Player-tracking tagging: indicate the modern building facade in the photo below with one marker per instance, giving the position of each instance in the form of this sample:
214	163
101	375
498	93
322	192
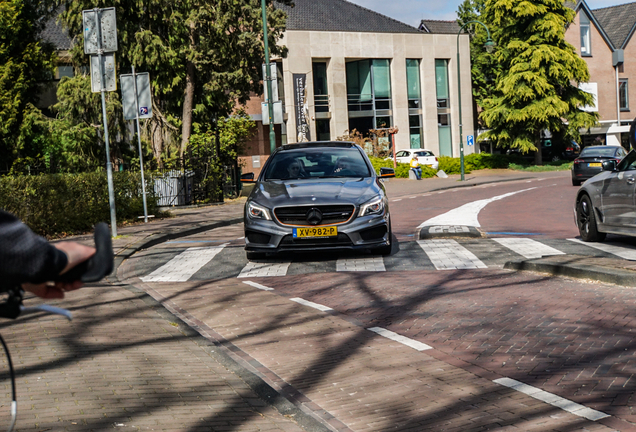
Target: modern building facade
602	38
351	68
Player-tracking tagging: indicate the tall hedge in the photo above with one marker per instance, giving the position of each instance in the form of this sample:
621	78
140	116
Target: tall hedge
60	204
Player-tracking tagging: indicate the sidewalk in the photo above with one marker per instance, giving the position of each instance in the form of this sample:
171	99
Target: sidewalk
128	362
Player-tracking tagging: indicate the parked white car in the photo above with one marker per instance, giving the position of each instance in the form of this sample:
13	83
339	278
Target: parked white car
424	157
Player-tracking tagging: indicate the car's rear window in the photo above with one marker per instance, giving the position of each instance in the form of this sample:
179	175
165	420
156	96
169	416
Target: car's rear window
317	162
598	152
423	153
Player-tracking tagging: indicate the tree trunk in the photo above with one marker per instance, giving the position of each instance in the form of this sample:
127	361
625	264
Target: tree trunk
538	157
188	101
156	132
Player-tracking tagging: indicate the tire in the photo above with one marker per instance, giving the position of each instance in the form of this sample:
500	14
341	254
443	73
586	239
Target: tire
586	221
576	182
251	256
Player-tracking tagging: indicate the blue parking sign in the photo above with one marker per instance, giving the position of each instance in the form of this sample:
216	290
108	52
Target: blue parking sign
470	140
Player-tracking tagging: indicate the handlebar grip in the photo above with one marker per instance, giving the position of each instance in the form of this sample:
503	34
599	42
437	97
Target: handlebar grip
99	265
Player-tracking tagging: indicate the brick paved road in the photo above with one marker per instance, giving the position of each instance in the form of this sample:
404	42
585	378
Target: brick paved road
571	338
122	363
337	368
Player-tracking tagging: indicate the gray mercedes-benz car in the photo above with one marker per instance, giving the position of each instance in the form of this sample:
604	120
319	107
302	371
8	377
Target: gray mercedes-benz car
606	203
317	195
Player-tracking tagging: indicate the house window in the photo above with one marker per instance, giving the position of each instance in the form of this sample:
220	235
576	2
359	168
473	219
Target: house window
64	71
443	105
415	102
321	93
586	40
369	95
623	94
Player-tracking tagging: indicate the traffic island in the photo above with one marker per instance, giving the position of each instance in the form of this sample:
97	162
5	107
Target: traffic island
449	231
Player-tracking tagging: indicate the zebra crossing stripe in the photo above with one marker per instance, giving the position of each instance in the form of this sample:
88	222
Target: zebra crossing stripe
185	265
552	399
374	264
254	269
620	251
449	255
527	247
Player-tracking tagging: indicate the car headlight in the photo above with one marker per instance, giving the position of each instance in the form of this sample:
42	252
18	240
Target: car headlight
254	211
375	206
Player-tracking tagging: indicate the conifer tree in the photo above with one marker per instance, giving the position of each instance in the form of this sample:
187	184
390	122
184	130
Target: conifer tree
537	87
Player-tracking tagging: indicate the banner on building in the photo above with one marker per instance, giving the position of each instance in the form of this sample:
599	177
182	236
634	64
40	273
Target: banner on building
302	107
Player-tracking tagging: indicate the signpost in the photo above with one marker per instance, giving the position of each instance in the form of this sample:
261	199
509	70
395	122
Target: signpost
137	103
100	37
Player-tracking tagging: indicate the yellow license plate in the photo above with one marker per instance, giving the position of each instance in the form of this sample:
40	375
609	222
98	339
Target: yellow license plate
595	164
328	231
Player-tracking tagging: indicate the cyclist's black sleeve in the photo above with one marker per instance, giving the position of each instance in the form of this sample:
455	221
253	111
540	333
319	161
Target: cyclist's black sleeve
25	256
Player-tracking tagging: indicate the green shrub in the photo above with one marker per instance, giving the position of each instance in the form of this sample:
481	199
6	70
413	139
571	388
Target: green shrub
61	204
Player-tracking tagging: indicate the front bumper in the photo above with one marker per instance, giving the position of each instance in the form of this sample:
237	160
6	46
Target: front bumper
366	232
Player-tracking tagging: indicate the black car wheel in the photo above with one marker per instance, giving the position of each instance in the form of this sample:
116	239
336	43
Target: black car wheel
576	182
386	249
586	221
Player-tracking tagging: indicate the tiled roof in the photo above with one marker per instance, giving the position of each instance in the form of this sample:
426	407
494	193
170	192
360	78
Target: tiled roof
439	27
340	15
617	22
55	34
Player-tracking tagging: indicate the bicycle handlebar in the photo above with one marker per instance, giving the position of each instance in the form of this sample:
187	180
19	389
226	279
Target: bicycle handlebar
94	269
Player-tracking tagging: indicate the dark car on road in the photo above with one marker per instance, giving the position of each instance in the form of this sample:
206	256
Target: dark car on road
316	196
590	161
606	203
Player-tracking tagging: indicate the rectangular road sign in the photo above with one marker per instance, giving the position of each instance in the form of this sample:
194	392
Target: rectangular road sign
278	112
108	30
143	95
470	140
274	78
109	70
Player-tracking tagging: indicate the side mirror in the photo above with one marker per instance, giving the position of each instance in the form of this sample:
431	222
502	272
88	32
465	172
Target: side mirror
609	165
247	178
387	172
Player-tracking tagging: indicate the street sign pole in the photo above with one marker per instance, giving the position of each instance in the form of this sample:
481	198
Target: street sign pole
268	78
141	158
109	166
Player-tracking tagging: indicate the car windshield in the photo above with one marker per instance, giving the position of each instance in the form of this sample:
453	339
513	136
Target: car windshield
598	152
317	162
423	153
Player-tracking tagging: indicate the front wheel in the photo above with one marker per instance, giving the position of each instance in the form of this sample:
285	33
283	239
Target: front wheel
586	221
576	182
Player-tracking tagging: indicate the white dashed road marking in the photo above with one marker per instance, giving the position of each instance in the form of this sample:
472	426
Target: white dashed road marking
621	251
527	247
552	399
254	269
311	304
373	264
185	265
448	254
259	286
399	338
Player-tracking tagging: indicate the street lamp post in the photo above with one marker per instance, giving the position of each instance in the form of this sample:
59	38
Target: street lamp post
489	45
268	78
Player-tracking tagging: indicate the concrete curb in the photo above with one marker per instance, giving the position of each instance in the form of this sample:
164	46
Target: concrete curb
449	232
580	271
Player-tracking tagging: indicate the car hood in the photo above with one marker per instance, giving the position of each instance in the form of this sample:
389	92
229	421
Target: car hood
281	193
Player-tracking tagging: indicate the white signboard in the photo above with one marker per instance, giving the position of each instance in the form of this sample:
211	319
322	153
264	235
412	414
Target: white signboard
591	88
274	78
109	70
108	30
144	96
278	112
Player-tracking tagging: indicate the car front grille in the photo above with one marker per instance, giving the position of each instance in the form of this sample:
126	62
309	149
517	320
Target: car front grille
331	214
289	242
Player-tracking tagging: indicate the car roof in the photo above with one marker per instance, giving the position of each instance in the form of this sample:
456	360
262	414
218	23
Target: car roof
318	144
604	146
417	149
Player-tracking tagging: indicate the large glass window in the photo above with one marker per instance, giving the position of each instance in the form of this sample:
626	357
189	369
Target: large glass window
443	108
586	39
323	130
415	102
321	92
369	94
623	94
